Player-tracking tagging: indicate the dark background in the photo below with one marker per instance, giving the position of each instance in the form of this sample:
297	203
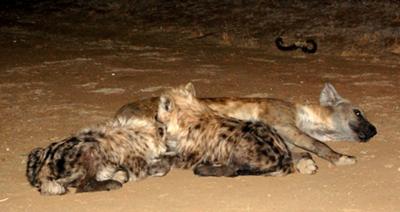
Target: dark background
359	26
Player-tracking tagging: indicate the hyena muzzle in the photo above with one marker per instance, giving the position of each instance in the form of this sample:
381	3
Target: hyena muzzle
216	145
100	158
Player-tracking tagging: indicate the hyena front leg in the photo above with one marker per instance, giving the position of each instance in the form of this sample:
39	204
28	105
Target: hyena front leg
303	141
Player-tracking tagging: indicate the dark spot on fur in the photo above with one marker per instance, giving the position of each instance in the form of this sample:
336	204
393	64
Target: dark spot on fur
60	165
229	126
246	128
89	133
272	158
275	150
197	127
89	139
223	136
265	152
101	135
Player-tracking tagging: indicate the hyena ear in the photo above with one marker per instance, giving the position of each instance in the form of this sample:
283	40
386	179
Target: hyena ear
329	96
190	89
166	103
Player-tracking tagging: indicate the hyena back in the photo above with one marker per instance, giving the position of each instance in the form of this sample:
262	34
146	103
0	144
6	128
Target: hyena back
99	158
302	126
216	145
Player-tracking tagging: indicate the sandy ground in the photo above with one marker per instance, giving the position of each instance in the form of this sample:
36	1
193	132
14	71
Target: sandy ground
52	86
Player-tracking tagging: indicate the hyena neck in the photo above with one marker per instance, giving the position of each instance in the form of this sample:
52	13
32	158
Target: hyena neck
316	121
191	126
192	112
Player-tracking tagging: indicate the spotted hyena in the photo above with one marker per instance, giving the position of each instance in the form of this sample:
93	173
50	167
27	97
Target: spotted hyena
216	145
100	158
302	126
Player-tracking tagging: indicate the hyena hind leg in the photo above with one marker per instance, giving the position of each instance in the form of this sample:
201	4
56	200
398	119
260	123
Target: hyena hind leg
60	186
304	163
92	185
213	170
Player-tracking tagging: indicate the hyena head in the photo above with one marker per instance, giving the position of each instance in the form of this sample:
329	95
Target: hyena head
34	164
173	104
349	121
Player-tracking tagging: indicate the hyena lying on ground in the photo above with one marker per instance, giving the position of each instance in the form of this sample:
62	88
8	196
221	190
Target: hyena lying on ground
302	126
100	158
216	145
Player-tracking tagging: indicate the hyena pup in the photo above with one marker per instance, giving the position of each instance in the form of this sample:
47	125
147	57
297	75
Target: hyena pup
302	126
216	145
100	158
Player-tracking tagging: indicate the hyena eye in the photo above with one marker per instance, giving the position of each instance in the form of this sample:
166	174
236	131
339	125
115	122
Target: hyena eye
357	112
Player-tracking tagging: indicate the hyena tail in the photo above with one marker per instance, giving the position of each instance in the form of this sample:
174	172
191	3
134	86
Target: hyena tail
283	168
34	164
232	170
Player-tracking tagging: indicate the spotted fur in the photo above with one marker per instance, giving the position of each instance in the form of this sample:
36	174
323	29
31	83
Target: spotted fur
216	145
100	158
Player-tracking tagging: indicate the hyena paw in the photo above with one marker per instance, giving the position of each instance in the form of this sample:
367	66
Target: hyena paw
345	160
113	185
52	188
306	166
121	176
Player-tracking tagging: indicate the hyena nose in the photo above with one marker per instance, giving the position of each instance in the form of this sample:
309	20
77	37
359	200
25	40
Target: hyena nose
371	131
368	133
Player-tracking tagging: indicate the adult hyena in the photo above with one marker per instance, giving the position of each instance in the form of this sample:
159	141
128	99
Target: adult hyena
303	126
100	158
216	145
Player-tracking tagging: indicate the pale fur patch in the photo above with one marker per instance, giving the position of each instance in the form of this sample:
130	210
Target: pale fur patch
248	112
133	123
306	166
105	173
121	176
315	122
346	160
52	188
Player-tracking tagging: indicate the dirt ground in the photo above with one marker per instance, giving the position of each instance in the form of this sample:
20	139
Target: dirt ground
55	82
